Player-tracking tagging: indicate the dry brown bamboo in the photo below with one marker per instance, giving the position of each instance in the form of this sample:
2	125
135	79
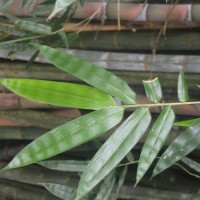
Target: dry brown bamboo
132	26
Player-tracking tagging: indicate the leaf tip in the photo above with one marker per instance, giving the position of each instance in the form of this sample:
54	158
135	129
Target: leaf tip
4	169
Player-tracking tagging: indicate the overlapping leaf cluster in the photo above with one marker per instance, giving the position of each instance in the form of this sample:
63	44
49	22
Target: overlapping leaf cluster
16	33
107	114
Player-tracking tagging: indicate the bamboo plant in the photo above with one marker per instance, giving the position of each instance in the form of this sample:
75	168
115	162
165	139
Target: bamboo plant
106	115
99	96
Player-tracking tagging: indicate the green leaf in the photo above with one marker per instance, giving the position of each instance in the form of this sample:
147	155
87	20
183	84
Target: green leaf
114	150
64	39
13	31
15	47
59	93
90	73
191	163
5	3
61	191
155	141
153	90
183	95
180	147
59	6
33	27
121	181
186	122
68	136
65	165
106	186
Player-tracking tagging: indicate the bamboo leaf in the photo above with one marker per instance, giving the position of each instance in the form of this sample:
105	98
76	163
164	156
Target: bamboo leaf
65	165
106	186
59	93
67	136
15	47
59	6
64	38
191	163
114	150
153	90
183	95
121	181
13	31
155	140
89	73
32	59
186	122
5	3
61	191
33	27
180	147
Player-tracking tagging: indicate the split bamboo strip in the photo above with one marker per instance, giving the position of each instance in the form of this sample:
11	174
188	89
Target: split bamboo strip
127	41
36	174
12	101
119	61
41	71
129	10
132	26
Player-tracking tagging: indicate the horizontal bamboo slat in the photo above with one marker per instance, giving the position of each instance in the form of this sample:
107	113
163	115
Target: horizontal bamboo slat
120	61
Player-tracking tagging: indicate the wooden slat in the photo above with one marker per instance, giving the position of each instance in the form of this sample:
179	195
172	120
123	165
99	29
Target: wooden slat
121	61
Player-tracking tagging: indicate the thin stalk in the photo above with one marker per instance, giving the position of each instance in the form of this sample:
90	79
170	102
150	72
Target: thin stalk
161	104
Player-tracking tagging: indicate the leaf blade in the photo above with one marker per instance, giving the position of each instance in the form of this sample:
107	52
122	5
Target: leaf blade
155	141
183	95
114	150
106	186
60	93
153	90
68	136
61	191
186	122
191	163
186	142
89	73
33	27
65	165
59	6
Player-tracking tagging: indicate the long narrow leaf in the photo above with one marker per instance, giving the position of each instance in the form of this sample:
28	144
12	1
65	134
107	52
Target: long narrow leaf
181	146
59	6
153	90
61	191
191	163
5	3
114	150
121	181
59	93
106	186
90	73
65	165
67	136
186	122
155	141
33	27
182	87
